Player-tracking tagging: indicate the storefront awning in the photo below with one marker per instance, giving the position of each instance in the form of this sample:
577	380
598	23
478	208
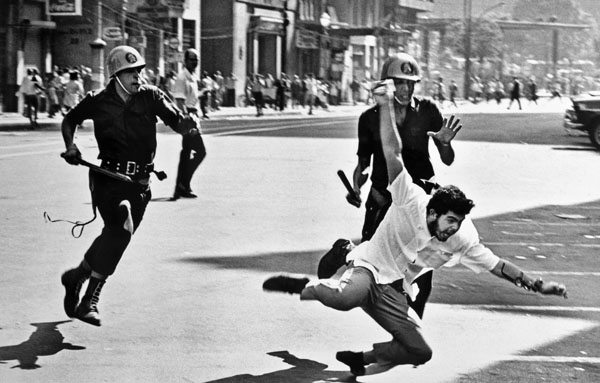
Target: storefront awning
367	31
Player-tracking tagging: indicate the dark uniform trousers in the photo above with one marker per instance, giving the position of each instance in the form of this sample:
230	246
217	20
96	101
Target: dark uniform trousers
377	206
191	156
107	249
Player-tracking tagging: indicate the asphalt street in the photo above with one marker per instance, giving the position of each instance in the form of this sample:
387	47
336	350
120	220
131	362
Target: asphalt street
186	303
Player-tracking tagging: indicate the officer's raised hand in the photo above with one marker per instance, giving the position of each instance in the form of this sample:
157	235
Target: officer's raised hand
448	131
72	155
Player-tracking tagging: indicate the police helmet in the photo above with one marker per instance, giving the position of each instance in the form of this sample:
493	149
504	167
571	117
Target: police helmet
402	66
124	57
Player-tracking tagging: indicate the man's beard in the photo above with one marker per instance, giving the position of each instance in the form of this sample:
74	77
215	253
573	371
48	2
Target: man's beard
434	229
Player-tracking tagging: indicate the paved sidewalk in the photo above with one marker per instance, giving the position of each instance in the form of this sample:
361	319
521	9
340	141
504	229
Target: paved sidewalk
15	121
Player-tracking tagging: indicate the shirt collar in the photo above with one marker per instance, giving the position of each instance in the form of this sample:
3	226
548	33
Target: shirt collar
423	234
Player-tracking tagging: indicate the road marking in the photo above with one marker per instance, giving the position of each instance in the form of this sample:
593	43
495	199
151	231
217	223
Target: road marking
268	129
21	154
529	308
565	273
551	359
31	145
537	223
546	244
542	244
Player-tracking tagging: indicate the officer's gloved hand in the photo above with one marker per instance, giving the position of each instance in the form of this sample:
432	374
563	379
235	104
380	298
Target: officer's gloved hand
72	155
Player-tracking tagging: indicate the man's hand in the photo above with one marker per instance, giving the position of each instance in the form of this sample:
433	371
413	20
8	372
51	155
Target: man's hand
72	155
449	129
383	92
550	288
189	126
354	199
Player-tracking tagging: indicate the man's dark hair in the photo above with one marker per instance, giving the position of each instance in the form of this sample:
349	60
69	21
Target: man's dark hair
450	198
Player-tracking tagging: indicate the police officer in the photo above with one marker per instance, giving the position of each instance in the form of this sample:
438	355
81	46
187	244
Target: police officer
417	119
124	116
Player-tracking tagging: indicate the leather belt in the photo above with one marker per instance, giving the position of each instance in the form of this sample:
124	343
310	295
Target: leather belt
129	168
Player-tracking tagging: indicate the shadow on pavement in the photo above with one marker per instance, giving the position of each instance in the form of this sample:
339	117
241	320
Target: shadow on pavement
44	341
303	370
302	262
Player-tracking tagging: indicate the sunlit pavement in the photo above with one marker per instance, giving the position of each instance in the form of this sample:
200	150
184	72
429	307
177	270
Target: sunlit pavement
186	303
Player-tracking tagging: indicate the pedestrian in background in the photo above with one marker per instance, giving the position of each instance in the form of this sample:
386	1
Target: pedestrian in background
312	90
230	81
206	87
73	91
532	90
193	151
53	84
453	88
498	91
296	91
218	89
256	87
124	115
355	88
515	92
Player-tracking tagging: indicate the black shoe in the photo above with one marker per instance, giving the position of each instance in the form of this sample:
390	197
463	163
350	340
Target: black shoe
179	193
285	284
354	360
72	280
187	194
334	258
87	311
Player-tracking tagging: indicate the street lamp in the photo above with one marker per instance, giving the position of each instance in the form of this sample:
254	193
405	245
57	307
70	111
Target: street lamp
325	21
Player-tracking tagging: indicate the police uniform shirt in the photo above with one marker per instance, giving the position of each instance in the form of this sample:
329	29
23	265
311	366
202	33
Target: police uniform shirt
422	116
186	88
402	246
126	131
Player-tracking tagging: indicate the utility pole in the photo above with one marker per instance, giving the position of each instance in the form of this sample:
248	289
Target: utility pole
467	14
286	22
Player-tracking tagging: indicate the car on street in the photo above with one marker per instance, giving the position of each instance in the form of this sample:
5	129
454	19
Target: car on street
584	115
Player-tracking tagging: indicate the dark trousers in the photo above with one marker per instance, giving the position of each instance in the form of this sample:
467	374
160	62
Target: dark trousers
107	249
377	205
204	104
192	153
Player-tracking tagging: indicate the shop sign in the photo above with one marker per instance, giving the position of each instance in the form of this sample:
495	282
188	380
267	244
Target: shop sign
140	41
307	40
63	7
112	34
265	3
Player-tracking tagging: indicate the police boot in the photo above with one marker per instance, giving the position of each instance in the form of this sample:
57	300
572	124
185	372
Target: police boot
87	310
73	280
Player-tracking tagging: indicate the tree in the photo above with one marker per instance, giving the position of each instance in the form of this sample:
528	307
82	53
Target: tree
573	43
486	38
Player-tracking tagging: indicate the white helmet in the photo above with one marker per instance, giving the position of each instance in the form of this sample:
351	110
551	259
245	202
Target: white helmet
124	57
402	66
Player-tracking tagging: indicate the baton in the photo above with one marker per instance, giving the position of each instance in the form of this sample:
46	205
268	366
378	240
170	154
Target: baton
106	172
355	199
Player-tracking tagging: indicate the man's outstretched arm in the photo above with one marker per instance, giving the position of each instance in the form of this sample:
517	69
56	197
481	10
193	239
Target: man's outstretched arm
511	272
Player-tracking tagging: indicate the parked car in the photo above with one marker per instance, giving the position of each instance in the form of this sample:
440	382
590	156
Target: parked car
584	116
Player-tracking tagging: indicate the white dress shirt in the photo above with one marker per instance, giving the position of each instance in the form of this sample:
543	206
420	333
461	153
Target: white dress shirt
402	246
186	88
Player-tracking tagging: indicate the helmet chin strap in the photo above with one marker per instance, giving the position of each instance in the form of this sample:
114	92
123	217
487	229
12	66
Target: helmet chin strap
121	84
